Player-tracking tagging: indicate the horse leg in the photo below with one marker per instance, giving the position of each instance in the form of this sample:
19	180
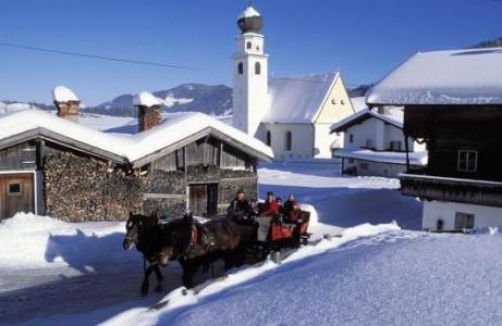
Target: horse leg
188	274
160	278
146	285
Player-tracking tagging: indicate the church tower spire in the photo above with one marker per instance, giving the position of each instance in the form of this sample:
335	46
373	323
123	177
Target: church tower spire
250	92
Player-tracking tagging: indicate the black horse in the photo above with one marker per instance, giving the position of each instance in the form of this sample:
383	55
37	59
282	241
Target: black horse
147	235
191	243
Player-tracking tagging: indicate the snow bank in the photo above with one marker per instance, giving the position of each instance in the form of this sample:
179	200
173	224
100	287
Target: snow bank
40	240
384	276
63	94
146	99
175	308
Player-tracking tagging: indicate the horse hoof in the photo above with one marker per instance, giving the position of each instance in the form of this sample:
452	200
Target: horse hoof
144	292
158	289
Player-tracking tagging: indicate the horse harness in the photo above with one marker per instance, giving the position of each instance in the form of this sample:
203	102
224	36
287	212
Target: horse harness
202	236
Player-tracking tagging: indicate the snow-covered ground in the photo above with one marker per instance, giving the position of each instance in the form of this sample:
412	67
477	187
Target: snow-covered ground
57	274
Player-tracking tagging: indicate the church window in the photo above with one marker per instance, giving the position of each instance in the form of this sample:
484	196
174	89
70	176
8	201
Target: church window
249	45
269	138
289	141
240	68
257	68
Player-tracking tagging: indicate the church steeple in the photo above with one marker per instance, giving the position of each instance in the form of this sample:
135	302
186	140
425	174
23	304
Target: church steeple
250	93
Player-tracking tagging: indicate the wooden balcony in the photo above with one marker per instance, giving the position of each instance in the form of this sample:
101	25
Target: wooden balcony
428	187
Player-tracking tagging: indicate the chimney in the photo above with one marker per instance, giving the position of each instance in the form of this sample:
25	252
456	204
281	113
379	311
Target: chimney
66	102
383	109
149	111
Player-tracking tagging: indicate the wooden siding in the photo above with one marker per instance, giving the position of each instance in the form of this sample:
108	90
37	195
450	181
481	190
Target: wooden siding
21	157
448	129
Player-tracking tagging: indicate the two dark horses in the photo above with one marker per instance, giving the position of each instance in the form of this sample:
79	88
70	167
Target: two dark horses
191	243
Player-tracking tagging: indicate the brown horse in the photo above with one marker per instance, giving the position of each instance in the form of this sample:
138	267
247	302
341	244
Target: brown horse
191	243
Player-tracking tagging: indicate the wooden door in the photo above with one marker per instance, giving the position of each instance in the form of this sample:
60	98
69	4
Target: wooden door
16	194
204	199
198	199
212	199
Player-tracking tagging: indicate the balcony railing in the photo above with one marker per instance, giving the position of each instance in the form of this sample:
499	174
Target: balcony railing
427	187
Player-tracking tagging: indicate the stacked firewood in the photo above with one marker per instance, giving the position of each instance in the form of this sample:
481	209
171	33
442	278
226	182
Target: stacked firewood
78	188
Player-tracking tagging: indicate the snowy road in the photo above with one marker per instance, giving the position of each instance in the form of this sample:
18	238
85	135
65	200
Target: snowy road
38	292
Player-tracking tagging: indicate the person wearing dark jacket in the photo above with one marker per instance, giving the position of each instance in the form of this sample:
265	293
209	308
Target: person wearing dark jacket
291	209
239	207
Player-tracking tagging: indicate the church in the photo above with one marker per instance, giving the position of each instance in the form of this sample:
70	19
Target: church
292	115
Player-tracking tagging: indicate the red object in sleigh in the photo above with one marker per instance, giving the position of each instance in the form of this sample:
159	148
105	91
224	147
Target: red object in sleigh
281	231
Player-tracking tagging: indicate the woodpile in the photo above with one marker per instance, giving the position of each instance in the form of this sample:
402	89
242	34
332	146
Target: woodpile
79	188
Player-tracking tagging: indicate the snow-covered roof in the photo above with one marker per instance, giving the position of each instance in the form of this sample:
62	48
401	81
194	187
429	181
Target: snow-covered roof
359	103
127	148
146	99
393	117
298	99
443	77
63	94
416	158
249	12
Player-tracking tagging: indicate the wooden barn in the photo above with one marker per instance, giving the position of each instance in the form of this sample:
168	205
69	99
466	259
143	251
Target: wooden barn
55	166
453	103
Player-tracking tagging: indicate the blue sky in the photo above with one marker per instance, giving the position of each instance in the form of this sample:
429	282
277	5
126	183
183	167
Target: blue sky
364	39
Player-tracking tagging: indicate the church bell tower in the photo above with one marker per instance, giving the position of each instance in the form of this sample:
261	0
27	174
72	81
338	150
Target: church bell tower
250	67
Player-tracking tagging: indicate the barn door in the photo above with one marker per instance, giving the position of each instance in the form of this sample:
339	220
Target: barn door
203	199
16	194
198	199
212	199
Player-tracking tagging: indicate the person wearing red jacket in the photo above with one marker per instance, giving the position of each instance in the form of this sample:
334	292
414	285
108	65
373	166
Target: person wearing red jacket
271	206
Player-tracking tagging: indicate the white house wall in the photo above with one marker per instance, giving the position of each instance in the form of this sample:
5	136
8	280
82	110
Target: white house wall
483	215
326	142
367	168
380	134
302	142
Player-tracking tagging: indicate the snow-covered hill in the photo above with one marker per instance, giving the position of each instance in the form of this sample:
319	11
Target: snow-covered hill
214	100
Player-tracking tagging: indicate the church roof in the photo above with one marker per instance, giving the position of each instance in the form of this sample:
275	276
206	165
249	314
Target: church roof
298	99
442	78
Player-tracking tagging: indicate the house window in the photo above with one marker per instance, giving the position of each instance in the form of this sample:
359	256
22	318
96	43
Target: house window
289	141
364	166
15	189
342	102
467	161
249	45
464	221
269	138
333	101
395	145
351	138
240	68
257	68
369	143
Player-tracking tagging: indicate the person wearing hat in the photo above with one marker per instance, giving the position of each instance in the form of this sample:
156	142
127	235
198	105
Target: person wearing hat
271	206
239	207
291	209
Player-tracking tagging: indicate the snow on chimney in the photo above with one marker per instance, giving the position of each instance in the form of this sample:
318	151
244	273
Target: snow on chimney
149	108
66	102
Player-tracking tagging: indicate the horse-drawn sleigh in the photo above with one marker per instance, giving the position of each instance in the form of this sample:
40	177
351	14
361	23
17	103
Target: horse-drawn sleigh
236	240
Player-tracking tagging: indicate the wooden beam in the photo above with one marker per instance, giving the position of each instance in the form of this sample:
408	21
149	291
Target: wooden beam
164	196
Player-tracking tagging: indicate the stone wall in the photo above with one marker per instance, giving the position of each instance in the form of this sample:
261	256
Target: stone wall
161	182
202	173
166	207
78	188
